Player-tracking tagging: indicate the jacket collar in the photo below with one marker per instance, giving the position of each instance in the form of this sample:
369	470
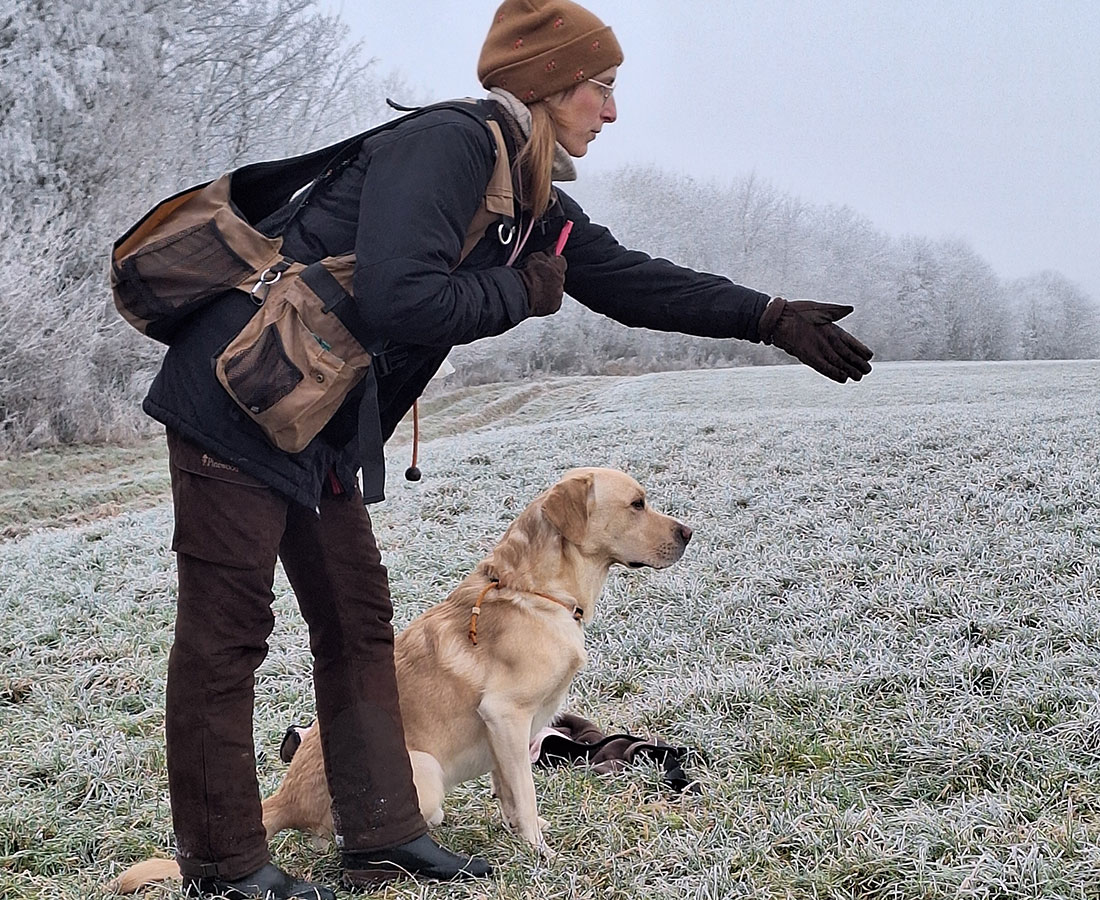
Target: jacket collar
520	116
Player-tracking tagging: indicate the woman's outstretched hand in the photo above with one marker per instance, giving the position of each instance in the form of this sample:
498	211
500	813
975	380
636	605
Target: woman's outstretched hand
806	329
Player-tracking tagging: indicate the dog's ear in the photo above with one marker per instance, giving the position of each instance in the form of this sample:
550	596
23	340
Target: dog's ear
566	506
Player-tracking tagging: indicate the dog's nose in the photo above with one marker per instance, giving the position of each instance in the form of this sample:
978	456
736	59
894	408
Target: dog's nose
685	532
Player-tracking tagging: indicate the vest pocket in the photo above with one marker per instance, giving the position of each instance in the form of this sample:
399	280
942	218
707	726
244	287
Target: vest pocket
262	374
284	374
179	273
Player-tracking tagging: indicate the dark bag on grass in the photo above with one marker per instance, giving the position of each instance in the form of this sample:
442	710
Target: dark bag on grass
574	740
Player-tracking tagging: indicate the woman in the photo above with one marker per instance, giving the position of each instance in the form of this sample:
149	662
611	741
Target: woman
403	206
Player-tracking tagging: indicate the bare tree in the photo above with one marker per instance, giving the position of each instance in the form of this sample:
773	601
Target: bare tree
1054	318
104	107
268	77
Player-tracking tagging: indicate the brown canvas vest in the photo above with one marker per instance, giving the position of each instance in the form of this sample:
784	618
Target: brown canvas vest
294	362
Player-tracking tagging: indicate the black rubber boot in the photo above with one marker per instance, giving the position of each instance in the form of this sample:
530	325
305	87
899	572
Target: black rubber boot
268	883
419	858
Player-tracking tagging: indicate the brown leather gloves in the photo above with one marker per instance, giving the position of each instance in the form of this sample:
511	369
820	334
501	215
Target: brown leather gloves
543	274
805	329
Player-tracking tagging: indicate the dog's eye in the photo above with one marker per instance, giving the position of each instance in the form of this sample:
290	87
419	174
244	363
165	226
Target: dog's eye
639	503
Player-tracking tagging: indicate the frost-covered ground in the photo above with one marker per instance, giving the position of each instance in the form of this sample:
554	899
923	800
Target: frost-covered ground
883	642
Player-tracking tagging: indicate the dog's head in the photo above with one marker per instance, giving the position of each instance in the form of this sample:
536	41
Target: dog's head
605	515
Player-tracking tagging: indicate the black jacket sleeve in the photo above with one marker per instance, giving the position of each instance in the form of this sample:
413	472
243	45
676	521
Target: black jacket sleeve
422	185
644	292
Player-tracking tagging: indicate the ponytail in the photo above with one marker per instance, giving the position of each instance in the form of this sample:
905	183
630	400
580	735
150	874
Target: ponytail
536	160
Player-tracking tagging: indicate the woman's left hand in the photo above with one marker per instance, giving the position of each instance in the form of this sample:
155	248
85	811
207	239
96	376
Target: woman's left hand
806	330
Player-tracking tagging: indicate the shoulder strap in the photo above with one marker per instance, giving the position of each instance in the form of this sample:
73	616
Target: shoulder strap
498	202
259	189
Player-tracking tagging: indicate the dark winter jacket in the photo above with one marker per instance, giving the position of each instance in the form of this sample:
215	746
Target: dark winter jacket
403	206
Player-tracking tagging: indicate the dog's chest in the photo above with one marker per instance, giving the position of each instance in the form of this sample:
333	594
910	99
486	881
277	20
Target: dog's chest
556	687
572	655
552	704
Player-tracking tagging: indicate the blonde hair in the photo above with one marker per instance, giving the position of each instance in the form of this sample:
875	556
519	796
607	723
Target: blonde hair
536	160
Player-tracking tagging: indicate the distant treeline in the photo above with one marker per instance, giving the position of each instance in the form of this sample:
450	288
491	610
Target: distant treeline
105	108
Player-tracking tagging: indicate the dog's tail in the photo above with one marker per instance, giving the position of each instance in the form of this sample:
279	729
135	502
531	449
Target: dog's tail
279	813
276	818
147	871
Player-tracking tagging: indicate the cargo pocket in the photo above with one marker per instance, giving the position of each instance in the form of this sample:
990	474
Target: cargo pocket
285	376
179	273
222	515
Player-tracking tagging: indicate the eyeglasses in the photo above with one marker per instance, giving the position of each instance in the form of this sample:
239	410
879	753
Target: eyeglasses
607	89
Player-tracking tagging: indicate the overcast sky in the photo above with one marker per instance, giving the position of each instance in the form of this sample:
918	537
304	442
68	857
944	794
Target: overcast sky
977	119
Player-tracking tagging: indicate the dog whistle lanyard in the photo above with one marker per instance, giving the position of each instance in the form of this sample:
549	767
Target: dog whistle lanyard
513	231
578	613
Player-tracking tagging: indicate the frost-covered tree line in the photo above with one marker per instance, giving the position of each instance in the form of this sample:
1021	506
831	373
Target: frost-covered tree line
107	106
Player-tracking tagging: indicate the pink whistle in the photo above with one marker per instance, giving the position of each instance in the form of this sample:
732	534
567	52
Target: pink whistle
563	237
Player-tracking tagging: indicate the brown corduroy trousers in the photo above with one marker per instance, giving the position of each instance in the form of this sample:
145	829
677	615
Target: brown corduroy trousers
229	529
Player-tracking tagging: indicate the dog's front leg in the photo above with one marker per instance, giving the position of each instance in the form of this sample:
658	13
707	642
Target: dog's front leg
509	731
494	792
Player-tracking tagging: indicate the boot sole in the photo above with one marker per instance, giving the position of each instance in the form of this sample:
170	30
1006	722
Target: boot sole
373	877
383	875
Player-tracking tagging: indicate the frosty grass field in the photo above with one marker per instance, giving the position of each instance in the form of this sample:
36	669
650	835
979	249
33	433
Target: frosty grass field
883	643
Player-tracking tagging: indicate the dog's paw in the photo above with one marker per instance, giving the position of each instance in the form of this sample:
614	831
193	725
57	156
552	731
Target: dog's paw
534	838
320	842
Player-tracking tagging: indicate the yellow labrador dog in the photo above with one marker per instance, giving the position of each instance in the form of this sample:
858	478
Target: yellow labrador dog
485	670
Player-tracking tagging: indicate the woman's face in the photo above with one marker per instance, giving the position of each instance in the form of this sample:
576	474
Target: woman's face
580	112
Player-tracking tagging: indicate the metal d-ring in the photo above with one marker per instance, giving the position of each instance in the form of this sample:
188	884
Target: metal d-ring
506	227
261	288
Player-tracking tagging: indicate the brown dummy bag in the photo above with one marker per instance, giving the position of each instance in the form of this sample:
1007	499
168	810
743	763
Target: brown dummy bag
295	361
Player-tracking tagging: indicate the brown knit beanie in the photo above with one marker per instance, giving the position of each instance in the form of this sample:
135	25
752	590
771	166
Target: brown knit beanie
539	47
